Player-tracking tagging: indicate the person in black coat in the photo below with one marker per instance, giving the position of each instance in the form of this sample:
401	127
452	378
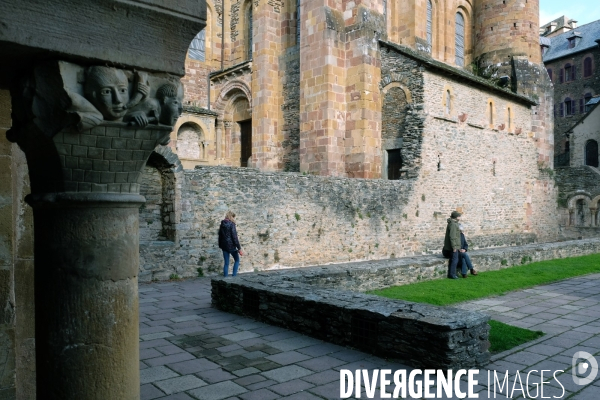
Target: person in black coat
465	260
229	243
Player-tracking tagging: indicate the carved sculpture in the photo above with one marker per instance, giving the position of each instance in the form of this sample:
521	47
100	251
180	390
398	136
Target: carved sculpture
462	117
102	123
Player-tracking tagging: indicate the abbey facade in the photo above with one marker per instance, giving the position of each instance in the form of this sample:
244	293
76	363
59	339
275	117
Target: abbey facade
440	105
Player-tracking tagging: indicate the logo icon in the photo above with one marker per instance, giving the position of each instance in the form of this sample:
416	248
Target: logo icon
587	364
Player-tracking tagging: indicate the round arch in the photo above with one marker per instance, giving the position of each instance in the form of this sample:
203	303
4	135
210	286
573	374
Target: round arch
581	196
187	118
398	85
230	90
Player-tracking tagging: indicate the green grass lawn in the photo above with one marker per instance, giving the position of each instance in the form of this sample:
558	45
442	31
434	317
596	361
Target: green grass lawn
504	337
450	291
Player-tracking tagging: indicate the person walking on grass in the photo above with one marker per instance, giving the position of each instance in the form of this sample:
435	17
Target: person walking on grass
465	260
229	243
452	244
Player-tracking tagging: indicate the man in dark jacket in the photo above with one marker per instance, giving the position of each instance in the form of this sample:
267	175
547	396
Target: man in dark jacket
452	244
465	260
229	243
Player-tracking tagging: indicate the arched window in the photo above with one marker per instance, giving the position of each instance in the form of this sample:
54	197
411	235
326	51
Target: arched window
249	33
197	47
509	119
460	40
491	114
429	24
448	102
550	73
587	67
591	153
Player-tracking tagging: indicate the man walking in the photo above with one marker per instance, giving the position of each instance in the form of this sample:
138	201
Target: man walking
452	243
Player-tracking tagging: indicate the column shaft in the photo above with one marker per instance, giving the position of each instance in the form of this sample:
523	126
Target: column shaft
86	303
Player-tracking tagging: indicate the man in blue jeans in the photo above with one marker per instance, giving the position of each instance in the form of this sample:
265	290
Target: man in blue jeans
465	260
452	244
229	243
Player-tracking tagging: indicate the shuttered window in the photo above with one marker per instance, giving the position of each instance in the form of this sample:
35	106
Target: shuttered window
587	67
197	47
569	106
460	40
429	23
561	75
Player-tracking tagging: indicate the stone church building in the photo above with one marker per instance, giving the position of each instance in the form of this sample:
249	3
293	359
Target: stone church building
438	105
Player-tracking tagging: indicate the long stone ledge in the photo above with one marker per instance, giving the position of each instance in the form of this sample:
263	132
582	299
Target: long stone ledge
363	276
418	334
324	302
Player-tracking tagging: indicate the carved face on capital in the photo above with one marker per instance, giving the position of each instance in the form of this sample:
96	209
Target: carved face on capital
107	89
171	105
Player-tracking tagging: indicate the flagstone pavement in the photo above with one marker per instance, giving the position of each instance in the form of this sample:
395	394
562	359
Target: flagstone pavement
190	351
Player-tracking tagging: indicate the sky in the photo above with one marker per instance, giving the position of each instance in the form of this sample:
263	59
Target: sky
582	11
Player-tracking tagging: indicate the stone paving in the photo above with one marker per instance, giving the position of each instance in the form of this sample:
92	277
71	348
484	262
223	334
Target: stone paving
189	350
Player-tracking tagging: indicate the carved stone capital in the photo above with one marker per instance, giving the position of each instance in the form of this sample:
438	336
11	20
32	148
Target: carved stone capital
91	130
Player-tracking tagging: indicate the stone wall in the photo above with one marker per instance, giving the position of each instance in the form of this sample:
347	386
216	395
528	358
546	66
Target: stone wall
420	335
290	76
323	302
573	181
195	83
293	220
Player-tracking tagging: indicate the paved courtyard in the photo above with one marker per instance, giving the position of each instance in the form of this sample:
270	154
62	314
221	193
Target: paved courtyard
189	350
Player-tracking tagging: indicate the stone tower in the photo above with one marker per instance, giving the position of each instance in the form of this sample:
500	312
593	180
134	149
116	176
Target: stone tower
507	44
506	28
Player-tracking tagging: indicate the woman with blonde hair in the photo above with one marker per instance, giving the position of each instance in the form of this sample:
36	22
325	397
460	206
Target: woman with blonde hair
229	243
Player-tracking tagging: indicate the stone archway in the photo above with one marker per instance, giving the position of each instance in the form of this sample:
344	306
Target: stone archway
580	210
191	142
396	98
234	124
160	214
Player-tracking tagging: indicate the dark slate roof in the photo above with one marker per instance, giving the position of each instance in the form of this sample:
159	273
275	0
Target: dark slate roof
559	46
593	100
429	62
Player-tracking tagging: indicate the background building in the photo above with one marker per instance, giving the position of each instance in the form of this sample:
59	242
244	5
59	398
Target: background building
572	60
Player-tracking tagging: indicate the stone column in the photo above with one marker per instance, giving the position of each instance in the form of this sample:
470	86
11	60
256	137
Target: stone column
86	134
267	118
227	138
593	213
571	217
363	95
322	89
219	140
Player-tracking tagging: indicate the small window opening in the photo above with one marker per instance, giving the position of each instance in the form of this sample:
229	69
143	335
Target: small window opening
394	164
